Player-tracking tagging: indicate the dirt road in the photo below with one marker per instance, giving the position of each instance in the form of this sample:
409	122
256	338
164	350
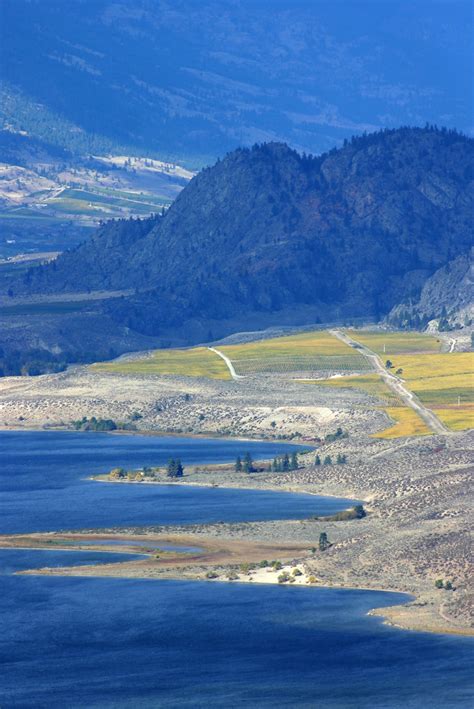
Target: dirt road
229	364
396	384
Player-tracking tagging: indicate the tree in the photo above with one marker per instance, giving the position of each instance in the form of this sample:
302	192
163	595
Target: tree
285	463
238	465
317	460
448	586
294	461
323	541
388	364
341	459
248	464
175	469
439	583
399	372
359	511
328	460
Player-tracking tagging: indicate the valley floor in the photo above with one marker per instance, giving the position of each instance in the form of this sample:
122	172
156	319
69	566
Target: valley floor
415	490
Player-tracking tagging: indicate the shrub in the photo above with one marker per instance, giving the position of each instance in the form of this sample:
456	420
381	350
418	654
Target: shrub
284	577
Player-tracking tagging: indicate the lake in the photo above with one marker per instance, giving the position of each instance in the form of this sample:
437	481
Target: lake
44	485
126	643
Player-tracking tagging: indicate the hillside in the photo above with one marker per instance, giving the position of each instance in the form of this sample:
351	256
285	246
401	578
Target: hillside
446	300
50	198
191	80
267	236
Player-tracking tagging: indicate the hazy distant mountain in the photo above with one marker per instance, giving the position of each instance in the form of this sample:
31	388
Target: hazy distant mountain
267	236
193	79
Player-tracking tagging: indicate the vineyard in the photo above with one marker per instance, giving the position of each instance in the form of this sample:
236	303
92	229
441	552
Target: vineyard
307	353
196	362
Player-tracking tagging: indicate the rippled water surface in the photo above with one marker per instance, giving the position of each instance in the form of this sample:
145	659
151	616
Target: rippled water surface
91	642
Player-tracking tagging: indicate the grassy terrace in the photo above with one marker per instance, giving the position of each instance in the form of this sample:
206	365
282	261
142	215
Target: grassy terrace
444	383
316	351
393	343
196	362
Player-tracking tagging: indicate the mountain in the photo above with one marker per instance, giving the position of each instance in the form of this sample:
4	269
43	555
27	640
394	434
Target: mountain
268	236
188	80
446	300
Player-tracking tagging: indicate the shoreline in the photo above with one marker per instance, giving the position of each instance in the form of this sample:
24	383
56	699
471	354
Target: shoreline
361	561
178	566
211	435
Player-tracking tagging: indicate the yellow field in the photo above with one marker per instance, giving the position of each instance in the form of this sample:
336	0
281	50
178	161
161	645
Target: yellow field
396	342
457	418
371	383
197	362
444	383
407	423
307	351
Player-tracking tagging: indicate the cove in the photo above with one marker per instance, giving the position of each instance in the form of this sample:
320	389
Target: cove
44	485
135	643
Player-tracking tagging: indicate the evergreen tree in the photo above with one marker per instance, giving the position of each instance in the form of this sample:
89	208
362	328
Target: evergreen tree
294	461
323	541
317	460
171	472
238	465
285	463
248	464
327	460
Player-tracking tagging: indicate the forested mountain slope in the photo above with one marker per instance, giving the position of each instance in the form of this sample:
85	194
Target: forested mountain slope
266	233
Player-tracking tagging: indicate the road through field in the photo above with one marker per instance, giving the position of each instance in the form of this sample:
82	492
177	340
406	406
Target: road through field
396	384
229	364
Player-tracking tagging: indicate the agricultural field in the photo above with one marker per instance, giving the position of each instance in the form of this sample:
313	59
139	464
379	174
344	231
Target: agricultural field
106	201
406	423
444	383
372	384
307	352
394	343
196	362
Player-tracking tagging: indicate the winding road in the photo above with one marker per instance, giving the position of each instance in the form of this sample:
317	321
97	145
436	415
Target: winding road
228	362
396	384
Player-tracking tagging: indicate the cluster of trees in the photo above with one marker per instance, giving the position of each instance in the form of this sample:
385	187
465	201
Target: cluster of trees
282	464
340	460
447	585
94	424
339	433
245	465
175	468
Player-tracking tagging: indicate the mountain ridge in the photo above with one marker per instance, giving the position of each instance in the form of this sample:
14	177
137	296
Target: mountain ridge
269	232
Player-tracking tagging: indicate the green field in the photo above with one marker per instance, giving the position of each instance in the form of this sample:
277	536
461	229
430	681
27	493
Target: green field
196	362
316	351
392	343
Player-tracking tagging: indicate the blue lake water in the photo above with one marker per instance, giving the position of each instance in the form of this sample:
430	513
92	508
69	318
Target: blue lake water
113	643
71	642
44	486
